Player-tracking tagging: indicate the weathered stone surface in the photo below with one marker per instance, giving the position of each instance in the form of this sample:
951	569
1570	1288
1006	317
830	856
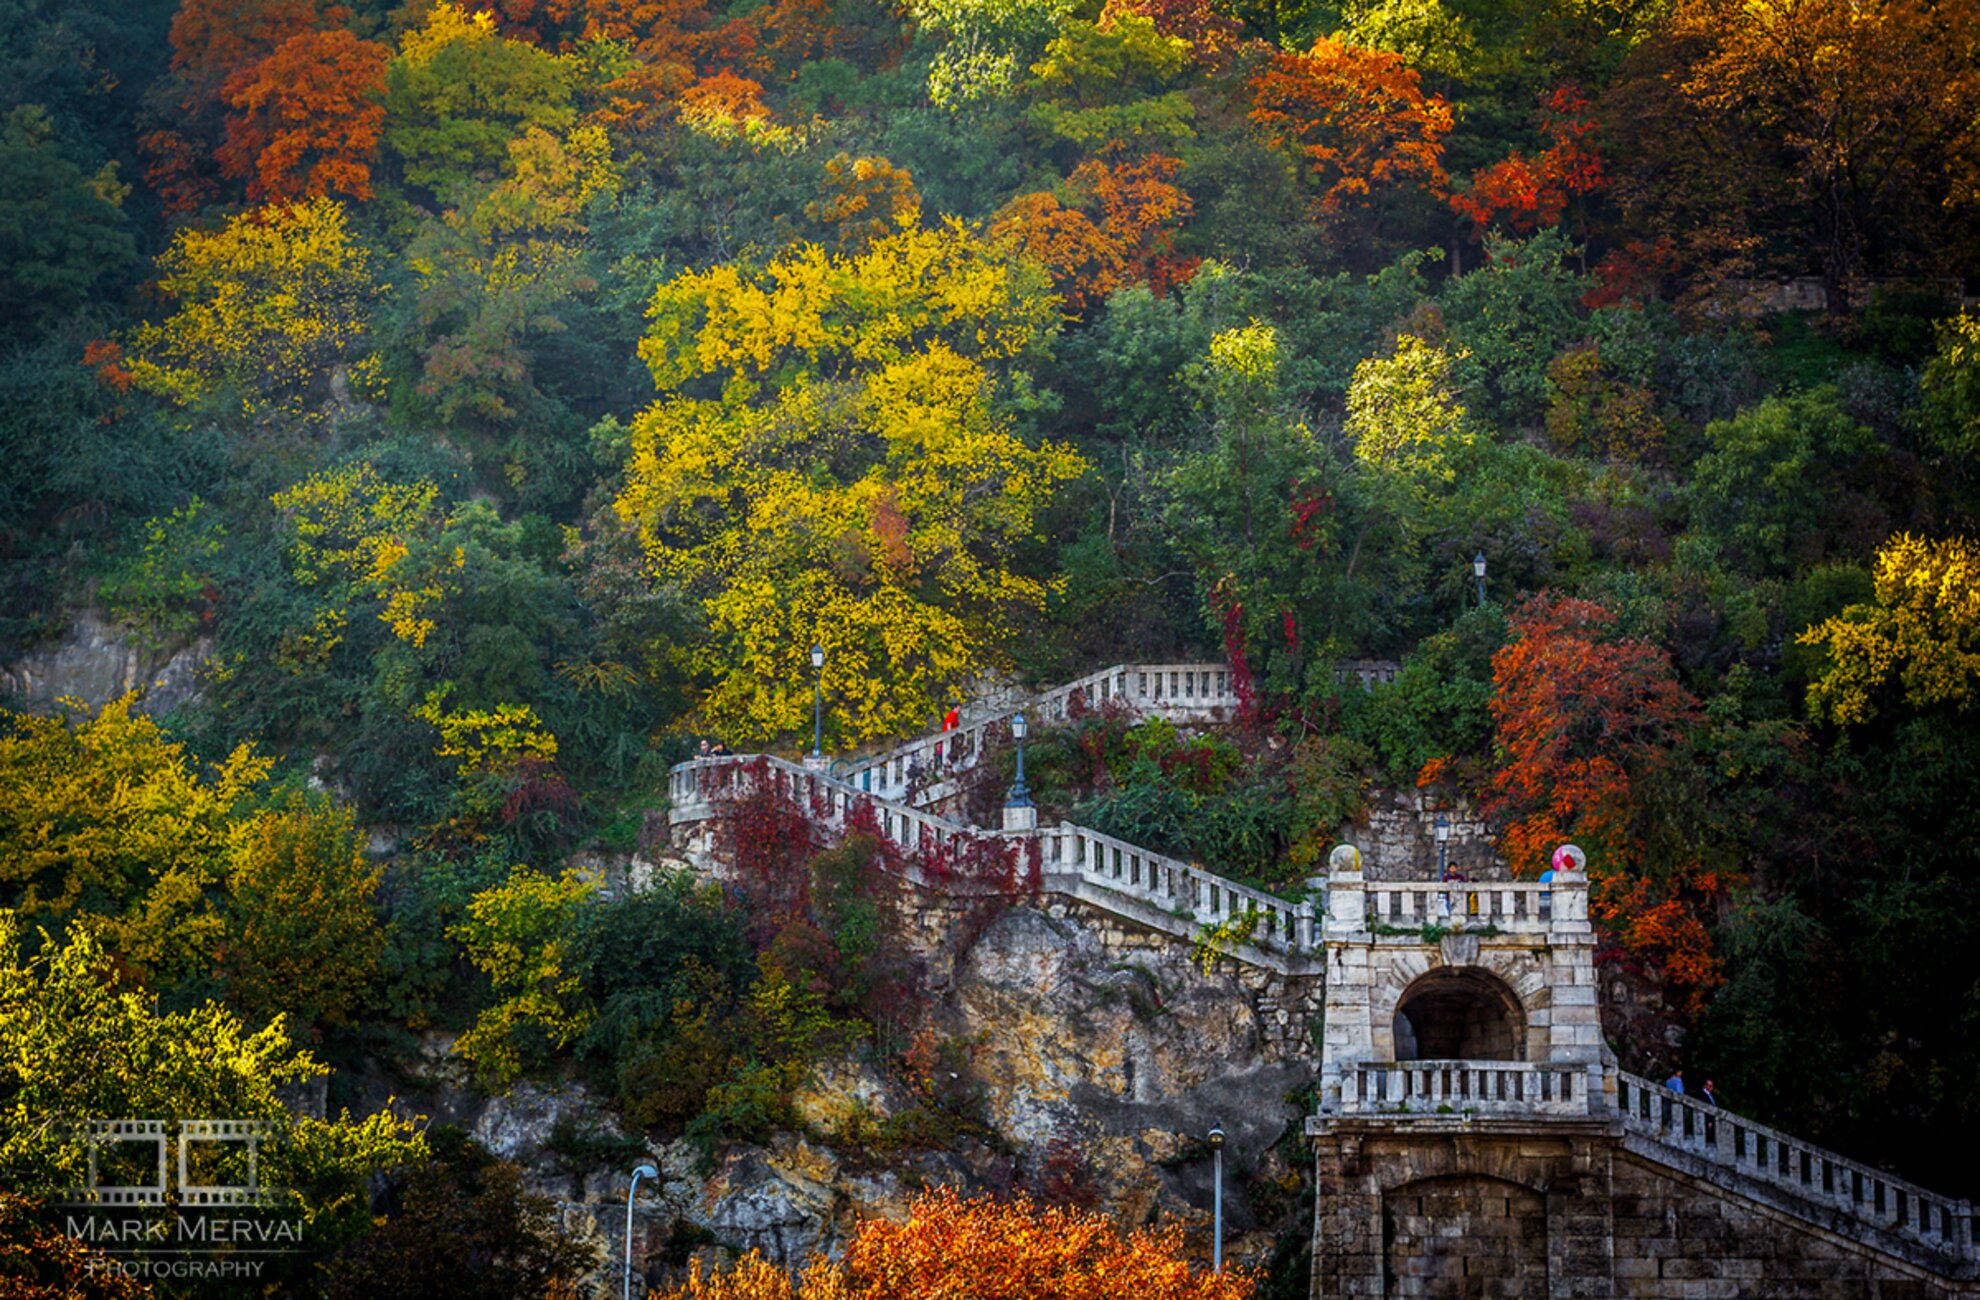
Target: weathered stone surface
96	661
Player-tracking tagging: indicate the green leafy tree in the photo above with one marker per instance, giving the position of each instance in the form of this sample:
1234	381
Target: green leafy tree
1788	484
519	935
62	230
458	93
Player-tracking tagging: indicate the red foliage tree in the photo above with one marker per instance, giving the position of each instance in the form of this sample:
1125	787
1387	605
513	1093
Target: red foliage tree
307	118
1582	717
1360	117
1530	193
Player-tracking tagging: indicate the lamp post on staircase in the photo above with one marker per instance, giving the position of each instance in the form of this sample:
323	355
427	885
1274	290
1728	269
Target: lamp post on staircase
1020	814
816	758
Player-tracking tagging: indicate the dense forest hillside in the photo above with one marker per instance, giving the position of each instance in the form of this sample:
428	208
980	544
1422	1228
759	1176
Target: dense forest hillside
481	407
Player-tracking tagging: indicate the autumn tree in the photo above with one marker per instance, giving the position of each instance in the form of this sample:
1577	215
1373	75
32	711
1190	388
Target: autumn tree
270	307
1359	117
854	484
519	934
1108	226
1115	88
1583	719
301	939
1014	1249
865	199
105	815
1759	135
1921	634
306	120
215	43
459	92
1531	193
1404	413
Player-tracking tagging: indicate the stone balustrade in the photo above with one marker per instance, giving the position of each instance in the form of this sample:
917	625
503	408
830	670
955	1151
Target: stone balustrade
923	770
1175	892
1509	907
1685	1125
1482	1088
1174	886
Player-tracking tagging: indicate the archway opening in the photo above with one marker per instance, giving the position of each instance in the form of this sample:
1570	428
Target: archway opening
1459	1014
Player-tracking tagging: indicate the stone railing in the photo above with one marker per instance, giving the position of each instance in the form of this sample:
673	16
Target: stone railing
1187	892
1098	869
1460	1088
1688	1127
1508	907
923	770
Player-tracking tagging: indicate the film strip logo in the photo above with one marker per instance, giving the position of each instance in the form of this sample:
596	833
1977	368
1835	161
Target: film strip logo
219	1163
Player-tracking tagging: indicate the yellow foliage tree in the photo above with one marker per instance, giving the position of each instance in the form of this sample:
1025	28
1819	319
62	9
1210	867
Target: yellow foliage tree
271	305
106	815
351	525
854	485
1403	411
519	934
1922	629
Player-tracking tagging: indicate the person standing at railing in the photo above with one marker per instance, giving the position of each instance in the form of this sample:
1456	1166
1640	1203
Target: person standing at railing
1675	1084
950	721
1711	1100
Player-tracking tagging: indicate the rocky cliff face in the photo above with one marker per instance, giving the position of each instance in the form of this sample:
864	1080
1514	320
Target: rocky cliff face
1100	1068
97	661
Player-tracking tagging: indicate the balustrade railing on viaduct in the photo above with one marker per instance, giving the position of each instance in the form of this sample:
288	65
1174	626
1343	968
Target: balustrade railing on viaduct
924	770
1684	1129
1137	883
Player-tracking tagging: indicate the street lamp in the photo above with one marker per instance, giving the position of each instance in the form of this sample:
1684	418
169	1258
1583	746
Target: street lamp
644	1171
1478	572
1216	1140
817	703
1020	793
1443	846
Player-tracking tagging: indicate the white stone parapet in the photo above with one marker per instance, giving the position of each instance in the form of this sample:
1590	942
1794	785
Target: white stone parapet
923	770
1687	1129
1136	883
1485	1088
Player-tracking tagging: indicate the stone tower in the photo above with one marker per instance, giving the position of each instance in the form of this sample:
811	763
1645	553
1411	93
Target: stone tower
1475	1137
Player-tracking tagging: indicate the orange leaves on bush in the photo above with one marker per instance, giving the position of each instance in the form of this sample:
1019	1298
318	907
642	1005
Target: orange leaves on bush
106	358
213	40
307	118
724	97
865	199
983	1249
1360	117
1118	229
1528	193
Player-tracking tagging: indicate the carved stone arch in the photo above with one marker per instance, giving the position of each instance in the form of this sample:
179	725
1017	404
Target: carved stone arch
1459	1013
1519	973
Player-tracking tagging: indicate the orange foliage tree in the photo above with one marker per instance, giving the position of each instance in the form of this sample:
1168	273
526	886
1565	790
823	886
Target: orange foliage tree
1582	716
1529	193
307	118
214	42
1212	34
1118	229
1360	117
985	1249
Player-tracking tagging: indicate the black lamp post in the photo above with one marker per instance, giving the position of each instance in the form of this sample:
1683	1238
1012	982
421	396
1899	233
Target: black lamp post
1478	572
1443	846
1020	792
1216	1140
817	701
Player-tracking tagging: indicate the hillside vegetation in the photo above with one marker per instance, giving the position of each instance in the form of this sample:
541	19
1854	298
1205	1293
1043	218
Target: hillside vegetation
506	398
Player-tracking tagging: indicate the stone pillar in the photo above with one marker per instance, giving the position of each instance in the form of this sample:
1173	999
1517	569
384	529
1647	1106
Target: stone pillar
1581	1227
1575	1019
1020	817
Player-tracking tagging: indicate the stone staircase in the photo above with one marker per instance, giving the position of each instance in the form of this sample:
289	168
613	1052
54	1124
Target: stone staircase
1764	1164
905	785
925	771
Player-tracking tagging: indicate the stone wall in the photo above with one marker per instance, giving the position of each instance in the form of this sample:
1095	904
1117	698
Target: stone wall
96	661
1397	838
1456	1207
